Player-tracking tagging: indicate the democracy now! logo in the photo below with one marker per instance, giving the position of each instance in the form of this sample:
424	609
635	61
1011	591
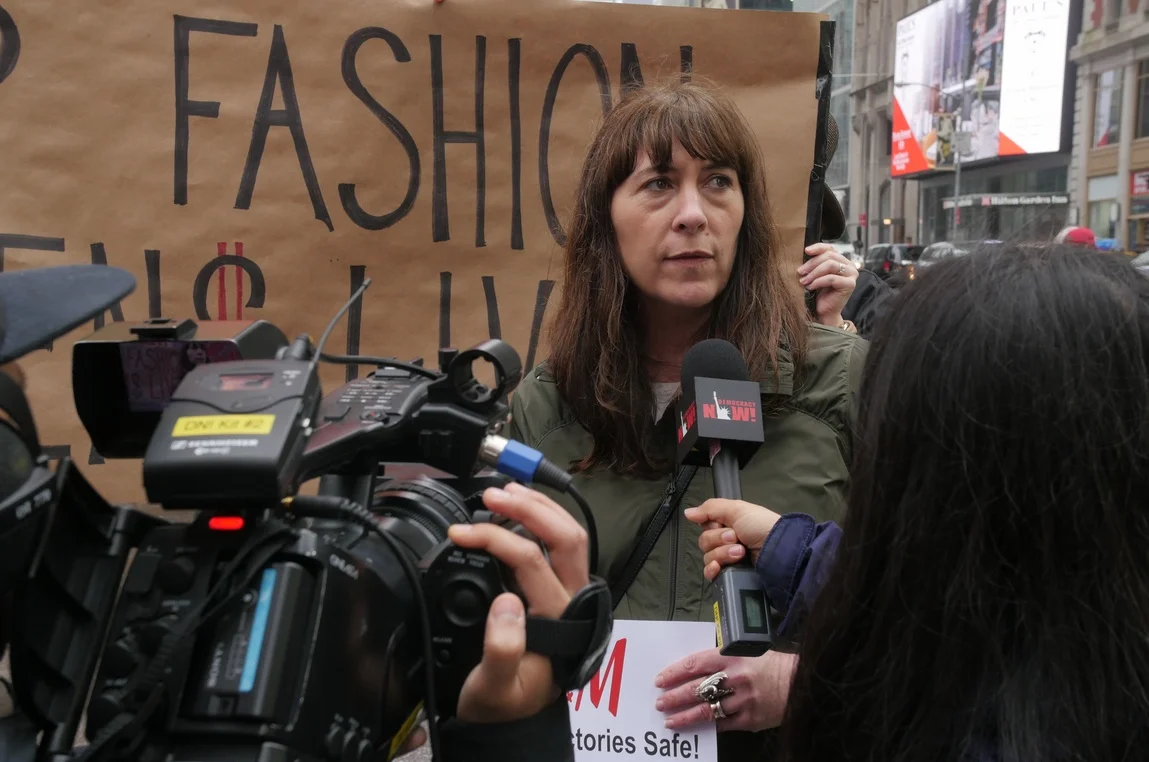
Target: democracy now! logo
613	715
730	410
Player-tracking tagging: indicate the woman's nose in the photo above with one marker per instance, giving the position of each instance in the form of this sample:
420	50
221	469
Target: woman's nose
690	216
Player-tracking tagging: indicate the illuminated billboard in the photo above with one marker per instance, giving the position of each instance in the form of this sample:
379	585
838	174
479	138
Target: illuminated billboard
992	69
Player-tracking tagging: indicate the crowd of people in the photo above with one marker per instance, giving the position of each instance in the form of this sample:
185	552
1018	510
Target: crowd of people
946	513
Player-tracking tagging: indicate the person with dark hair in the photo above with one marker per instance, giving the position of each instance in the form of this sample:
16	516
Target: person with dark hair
987	597
867	302
672	241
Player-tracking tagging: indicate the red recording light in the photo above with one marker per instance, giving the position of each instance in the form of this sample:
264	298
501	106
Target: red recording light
225	523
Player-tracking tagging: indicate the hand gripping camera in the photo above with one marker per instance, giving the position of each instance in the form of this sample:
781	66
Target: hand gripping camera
276	626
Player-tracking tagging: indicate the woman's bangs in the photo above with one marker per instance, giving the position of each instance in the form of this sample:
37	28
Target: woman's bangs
703	130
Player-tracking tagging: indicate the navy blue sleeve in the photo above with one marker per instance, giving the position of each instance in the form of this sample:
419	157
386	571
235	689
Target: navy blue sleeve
794	564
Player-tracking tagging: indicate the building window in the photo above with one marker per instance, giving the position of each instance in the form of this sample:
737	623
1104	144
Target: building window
1107	109
1143	99
1102	210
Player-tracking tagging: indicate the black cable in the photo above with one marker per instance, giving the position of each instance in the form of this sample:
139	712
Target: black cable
550	475
591	528
381	362
330	506
331	326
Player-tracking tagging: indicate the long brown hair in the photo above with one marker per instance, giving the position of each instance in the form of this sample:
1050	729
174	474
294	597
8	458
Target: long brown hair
597	335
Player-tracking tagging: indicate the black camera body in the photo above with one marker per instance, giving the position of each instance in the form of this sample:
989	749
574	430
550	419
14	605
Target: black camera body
318	654
274	626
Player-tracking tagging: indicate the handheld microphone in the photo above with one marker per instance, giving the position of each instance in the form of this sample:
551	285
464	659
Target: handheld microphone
720	426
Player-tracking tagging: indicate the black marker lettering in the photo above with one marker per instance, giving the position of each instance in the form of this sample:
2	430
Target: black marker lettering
444	310
541	299
351	78
56	452
185	108
514	56
28	243
203	279
603	77
100	257
686	61
494	329
440	228
279	71
355	319
152	263
9	44
631	75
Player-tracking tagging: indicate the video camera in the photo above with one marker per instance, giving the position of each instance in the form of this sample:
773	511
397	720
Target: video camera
275	625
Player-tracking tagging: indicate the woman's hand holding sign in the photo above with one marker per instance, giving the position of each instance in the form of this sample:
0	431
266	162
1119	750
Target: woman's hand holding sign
752	691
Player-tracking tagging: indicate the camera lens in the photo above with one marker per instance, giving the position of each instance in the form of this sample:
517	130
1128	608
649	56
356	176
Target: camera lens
418	512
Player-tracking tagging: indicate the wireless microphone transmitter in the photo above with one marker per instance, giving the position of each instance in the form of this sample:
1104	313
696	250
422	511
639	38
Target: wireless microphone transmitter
232	435
720	426
741	613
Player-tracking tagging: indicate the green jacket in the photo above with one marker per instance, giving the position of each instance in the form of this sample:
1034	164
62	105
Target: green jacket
801	467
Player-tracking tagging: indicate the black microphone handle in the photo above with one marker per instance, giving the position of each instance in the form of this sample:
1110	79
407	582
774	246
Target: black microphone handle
727	479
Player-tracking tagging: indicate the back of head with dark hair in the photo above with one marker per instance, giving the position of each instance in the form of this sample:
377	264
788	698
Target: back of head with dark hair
991	593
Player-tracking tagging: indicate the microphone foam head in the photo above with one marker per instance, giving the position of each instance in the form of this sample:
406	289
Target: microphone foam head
712	358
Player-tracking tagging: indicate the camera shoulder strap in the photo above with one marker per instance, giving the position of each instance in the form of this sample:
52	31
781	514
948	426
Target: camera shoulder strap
675	489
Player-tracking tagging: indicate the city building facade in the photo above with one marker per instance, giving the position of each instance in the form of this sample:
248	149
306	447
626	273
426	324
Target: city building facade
1109	184
884	208
962	120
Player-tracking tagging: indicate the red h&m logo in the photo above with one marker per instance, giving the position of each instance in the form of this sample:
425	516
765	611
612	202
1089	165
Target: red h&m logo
686	419
221	251
730	410
611	672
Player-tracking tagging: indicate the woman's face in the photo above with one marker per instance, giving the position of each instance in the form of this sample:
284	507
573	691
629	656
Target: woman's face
677	228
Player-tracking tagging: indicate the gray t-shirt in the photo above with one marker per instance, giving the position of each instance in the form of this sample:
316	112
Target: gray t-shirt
664	394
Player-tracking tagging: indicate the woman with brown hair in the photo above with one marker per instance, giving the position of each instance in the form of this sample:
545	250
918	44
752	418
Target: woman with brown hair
672	241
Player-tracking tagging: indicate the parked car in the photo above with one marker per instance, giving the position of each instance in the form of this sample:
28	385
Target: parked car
887	259
1141	262
941	251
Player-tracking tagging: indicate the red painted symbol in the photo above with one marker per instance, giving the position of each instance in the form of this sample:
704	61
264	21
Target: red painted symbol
221	251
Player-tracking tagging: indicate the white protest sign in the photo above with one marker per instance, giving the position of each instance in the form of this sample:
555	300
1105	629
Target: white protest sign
613	717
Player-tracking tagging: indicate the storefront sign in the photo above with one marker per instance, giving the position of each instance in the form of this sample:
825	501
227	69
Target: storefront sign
1008	199
1140	183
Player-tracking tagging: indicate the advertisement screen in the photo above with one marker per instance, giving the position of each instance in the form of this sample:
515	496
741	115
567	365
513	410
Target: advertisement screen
979	78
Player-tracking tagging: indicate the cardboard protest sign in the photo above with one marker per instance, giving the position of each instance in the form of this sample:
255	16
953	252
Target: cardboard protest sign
613	717
255	159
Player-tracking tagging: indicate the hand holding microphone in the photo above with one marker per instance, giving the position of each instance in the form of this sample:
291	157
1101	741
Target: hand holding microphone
720	426
738	526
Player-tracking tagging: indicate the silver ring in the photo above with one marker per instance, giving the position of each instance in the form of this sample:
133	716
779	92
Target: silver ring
710	690
841	268
716	711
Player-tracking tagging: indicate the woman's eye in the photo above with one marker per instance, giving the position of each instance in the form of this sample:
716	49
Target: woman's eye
721	181
658	183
